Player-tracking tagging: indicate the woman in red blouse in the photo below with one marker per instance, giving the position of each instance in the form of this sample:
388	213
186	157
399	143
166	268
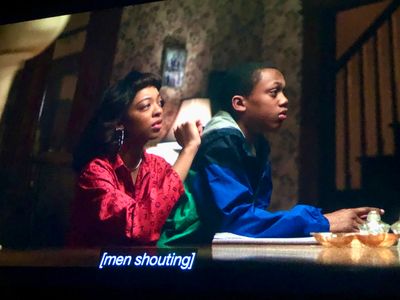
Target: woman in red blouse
124	195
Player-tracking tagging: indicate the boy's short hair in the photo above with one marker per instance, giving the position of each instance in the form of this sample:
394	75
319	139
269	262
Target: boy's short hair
240	80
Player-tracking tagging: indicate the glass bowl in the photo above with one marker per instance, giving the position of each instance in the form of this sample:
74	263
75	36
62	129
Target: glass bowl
331	239
378	240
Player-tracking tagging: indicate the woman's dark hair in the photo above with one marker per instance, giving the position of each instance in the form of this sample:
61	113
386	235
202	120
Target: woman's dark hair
240	80
99	137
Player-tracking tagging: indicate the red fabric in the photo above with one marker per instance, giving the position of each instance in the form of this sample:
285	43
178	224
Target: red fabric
110	210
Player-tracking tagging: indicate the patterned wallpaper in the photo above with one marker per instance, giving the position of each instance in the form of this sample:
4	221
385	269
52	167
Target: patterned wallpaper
282	44
218	33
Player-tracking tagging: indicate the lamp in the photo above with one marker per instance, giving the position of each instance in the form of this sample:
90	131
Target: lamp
190	110
22	41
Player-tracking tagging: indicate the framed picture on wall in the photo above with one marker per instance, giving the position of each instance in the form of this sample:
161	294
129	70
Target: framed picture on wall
174	60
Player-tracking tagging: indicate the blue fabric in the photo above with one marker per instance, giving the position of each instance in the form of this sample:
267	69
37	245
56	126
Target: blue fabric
232	189
242	211
223	171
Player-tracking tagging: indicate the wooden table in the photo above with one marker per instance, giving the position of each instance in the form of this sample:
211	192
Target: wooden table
312	254
234	270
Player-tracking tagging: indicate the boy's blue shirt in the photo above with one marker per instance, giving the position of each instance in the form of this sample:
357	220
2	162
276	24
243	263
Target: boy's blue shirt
232	188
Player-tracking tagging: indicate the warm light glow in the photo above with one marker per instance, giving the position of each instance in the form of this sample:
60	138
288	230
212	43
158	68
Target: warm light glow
21	42
190	110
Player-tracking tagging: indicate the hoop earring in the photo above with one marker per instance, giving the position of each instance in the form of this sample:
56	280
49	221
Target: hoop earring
120	135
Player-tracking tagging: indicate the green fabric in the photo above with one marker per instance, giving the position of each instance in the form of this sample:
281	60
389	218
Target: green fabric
183	222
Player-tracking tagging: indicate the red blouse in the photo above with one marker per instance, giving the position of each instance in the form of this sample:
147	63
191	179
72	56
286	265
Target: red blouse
110	210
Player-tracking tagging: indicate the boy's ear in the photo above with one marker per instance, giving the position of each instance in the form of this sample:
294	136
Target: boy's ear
238	103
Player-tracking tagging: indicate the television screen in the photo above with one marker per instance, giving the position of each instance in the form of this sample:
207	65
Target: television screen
331	144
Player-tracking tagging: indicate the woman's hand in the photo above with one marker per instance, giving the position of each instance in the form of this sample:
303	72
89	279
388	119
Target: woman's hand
188	134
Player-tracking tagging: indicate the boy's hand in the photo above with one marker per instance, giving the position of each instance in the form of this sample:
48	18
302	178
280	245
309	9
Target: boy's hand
348	220
188	134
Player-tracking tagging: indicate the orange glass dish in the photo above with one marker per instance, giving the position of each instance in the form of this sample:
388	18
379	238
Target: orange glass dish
355	239
378	240
333	239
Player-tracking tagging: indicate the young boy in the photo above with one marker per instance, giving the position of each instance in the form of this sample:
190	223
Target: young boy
229	186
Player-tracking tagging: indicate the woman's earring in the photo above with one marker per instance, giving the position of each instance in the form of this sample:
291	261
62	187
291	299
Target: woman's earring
120	135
